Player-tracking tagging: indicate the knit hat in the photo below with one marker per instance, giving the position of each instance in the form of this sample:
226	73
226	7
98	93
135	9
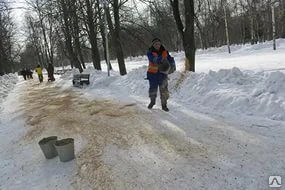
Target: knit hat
155	40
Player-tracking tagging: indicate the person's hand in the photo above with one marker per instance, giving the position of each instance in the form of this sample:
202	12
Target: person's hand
157	59
164	54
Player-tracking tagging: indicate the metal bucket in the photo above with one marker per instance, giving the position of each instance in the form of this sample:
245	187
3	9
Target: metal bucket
65	149
47	146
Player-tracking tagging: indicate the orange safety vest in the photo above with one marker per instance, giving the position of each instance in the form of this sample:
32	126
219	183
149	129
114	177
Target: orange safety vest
153	67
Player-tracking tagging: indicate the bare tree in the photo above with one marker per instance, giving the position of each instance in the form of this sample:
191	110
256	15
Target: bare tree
103	32
224	4
115	30
6	43
187	31
282	11
34	38
91	21
73	6
66	27
44	23
273	24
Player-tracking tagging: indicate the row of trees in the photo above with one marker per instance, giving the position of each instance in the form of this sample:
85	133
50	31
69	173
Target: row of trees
246	21
72	31
6	39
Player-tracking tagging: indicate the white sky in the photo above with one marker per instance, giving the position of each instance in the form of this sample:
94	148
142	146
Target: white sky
18	10
18	14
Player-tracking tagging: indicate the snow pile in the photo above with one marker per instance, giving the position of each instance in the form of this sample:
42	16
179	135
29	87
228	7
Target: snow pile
258	94
224	91
7	83
136	82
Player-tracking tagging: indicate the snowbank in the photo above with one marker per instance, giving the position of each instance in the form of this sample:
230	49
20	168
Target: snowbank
257	94
227	90
224	91
7	83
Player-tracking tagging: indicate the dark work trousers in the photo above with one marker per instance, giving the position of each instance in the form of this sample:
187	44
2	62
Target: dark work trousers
158	80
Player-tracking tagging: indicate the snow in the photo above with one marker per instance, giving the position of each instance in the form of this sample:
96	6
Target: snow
7	83
232	90
224	130
22	164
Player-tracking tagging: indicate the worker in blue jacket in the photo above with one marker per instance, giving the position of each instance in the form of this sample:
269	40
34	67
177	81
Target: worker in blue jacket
160	65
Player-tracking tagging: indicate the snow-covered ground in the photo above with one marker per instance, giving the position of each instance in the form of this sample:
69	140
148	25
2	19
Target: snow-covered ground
7	83
224	130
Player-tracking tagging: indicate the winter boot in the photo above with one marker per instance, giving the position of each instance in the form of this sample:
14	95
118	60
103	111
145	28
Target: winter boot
151	104
165	108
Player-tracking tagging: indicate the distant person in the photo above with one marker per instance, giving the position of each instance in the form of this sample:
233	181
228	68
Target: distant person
160	65
29	73
24	74
39	71
50	71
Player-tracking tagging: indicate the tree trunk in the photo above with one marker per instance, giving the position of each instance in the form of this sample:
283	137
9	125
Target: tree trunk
252	30
189	39
76	32
46	47
103	35
226	26
201	34
251	13
36	44
68	38
283	18
187	35
273	26
93	36
119	49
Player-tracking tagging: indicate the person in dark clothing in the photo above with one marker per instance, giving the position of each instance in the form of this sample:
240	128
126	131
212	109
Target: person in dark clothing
24	74
29	73
160	65
50	71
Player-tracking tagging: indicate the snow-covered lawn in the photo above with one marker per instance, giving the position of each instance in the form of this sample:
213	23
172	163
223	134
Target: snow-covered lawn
225	128
7	83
